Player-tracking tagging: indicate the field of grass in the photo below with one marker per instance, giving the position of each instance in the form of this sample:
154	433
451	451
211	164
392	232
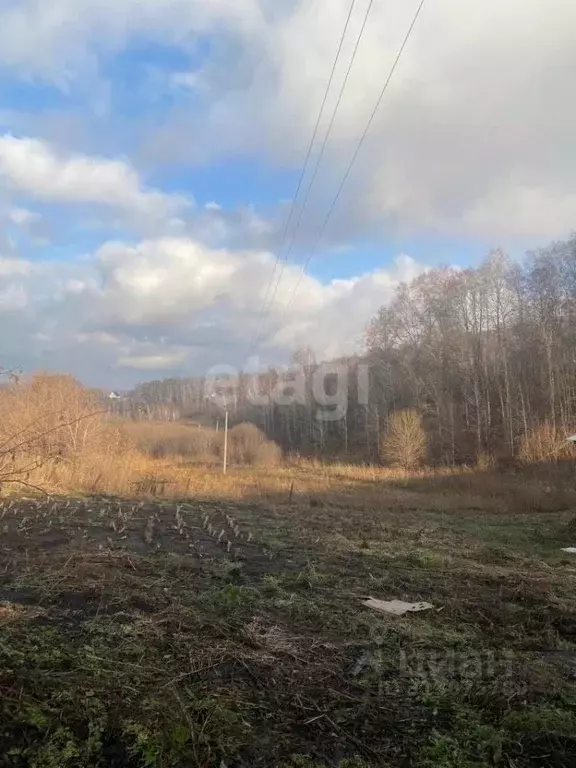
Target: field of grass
161	439
225	628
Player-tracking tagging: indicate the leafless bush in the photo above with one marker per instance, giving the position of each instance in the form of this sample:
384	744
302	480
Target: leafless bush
247	445
405	443
485	461
55	436
164	439
46	420
269	454
544	443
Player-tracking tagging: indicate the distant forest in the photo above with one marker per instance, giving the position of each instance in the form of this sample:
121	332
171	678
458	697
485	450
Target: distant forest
483	354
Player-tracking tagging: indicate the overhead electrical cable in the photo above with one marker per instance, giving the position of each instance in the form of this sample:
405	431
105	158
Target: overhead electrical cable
324	144
354	157
308	155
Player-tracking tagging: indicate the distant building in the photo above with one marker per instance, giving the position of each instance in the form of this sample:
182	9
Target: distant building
113	396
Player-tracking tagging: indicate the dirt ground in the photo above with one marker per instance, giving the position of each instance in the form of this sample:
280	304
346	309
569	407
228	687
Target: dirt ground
233	635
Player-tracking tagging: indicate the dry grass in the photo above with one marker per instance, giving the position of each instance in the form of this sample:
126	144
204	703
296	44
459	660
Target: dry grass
199	634
48	421
545	443
229	628
55	437
54	441
160	439
247	445
223	623
136	474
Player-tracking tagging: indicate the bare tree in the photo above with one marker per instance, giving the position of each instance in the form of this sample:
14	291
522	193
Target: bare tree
483	354
405	443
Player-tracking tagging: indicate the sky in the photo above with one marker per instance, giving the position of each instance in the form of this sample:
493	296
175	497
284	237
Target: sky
150	152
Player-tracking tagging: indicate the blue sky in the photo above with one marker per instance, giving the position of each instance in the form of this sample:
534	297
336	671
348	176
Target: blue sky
150	150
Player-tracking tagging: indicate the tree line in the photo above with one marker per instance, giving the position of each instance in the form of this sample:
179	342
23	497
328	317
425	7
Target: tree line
484	354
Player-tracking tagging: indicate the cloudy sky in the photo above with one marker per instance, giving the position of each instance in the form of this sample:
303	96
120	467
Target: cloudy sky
150	150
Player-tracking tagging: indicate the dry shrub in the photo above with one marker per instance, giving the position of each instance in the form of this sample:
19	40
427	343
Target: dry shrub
405	444
485	461
56	436
545	443
52	413
49	420
247	445
162	439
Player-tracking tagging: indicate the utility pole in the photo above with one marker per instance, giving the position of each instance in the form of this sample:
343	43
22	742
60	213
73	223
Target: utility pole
225	464
225	457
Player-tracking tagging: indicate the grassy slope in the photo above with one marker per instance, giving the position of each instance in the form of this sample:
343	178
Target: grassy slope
138	634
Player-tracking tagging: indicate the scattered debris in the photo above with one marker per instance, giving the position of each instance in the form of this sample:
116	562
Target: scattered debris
396	607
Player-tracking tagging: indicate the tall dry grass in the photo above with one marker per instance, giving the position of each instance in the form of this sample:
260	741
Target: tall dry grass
545	443
247	445
47	422
56	437
161	439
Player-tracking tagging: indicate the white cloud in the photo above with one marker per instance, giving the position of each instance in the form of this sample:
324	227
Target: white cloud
30	224
177	282
57	40
13	298
155	362
479	108
10	267
173	306
474	138
159	280
192	80
14	273
33	167
334	316
531	211
22	216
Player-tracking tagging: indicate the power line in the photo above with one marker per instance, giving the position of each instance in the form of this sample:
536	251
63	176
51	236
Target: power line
354	156
324	144
308	154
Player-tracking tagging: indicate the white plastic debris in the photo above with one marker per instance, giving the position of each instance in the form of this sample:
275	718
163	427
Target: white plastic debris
396	607
571	550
